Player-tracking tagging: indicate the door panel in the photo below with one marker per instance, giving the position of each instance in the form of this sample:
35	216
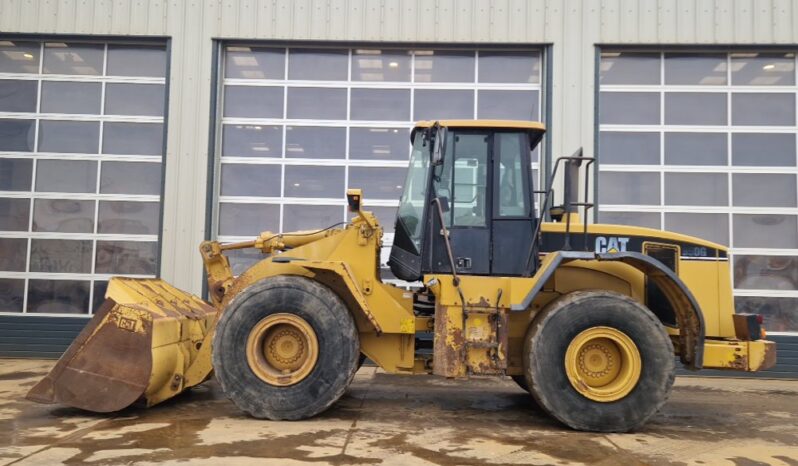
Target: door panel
511	242
512	222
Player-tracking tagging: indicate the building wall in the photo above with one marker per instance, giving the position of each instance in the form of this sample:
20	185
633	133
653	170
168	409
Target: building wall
573	28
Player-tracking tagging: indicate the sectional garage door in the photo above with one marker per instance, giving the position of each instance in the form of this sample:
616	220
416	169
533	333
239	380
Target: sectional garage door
297	126
81	146
704	143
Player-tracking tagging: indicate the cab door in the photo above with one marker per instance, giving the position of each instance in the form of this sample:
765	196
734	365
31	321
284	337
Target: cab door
463	181
513	222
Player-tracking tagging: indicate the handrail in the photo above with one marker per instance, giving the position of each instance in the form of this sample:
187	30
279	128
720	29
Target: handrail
568	204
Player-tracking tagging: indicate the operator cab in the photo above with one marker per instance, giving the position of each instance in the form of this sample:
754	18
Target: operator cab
474	180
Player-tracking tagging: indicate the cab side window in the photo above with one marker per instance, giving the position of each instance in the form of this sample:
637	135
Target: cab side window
469	180
512	202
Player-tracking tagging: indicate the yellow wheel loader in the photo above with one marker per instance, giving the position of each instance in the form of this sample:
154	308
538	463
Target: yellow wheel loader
589	319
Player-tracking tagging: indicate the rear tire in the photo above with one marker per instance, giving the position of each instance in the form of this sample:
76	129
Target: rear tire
322	321
632	356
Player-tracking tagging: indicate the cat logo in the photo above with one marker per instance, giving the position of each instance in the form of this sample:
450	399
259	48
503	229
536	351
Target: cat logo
612	244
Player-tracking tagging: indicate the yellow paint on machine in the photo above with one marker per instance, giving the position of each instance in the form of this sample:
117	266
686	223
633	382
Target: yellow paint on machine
150	341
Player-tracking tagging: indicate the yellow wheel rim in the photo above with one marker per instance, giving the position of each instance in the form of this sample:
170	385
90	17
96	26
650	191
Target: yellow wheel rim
282	349
603	364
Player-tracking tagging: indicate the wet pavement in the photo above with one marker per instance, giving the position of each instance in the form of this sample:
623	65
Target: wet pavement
395	420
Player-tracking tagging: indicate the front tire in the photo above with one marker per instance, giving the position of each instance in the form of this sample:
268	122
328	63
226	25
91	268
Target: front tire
520	380
599	361
286	348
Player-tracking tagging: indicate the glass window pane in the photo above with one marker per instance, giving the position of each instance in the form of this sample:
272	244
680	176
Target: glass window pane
641	219
764	190
128	217
252	141
63	215
380	65
629	68
58	296
13	254
17	135
509	67
635	108
133	138
248	219
253	102
311	217
763	69
136	60
629	188
66	176
444	66
711	227
693	68
15	174
379	143
12	292
126	257
19	56
14	214
380	104
695	108
434	104
763	109
134	99
378	182
696	189
508	105
629	148
469	179
71	97
251	180
316	103
18	95
130	178
512	198
696	149
315	142
763	149
318	64
765	231
100	287
254	62
307	181
781	314
79	59
766	272
60	256
69	136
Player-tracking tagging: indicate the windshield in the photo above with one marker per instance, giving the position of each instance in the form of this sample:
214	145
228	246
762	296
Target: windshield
411	205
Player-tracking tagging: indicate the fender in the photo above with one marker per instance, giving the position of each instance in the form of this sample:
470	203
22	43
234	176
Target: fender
688	313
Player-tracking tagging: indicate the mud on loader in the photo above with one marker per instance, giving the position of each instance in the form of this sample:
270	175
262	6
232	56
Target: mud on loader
589	319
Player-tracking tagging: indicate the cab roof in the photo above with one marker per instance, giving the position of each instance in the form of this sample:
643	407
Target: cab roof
509	124
535	129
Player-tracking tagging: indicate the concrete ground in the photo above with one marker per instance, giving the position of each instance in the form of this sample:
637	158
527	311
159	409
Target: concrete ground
395	420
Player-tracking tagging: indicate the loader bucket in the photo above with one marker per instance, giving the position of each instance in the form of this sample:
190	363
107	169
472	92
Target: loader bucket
143	344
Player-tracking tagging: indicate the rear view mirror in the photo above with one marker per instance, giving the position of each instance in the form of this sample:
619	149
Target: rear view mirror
438	145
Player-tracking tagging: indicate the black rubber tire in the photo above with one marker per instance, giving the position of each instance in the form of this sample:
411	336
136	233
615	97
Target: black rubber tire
521	381
339	348
555	327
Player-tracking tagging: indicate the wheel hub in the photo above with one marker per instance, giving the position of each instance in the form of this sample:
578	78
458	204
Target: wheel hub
603	364
282	349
